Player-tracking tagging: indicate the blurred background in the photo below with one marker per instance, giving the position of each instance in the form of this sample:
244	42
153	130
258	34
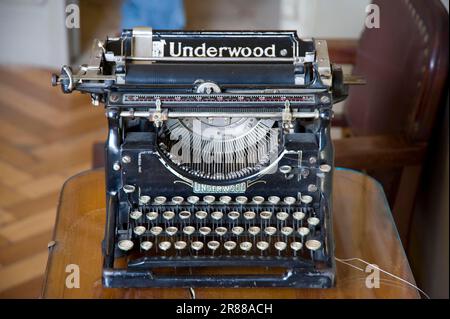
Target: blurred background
46	137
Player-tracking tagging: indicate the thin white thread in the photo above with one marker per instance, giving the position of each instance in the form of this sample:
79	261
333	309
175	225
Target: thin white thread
346	262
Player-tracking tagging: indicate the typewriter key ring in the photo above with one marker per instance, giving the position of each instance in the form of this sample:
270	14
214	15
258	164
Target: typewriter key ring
139	230
135	214
144	200
313	245
165	246
303	232
188	230
233	216
171	230
313	222
262	246
280	246
177	200
229	245
245	246
213	245
160	200
221	231
129	190
179	246
216	216
306	199
296	246
146	245
265	215
225	199
196	245
184	216
193	199
125	245
209	199
241	200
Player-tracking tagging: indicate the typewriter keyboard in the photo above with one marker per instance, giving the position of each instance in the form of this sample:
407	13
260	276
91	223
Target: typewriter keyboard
224	226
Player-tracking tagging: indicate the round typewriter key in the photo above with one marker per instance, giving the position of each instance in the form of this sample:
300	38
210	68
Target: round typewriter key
188	230
274	199
225	199
197	245
280	245
313	221
171	230
306	199
213	245
125	245
146	245
144	199
262	245
135	214
289	200
152	215
164	245
245	245
216	215
313	244
254	230
180	245
241	200
303	231
265	215
286	231
168	215
237	230
298	215
270	230
295	245
282	216
177	200
249	215
156	230
201	214
204	230
312	188
229	245
193	199
285	169
128	188
209	199
160	200
233	215
325	168
184	214
221	231
258	200
139	230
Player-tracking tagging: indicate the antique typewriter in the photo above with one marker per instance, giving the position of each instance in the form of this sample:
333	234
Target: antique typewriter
219	160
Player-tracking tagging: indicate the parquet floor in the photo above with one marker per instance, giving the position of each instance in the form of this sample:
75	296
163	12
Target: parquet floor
45	137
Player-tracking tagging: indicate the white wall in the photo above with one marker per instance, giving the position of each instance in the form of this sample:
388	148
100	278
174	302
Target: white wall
33	32
324	18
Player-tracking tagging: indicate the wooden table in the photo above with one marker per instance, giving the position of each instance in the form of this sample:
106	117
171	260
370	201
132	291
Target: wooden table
363	227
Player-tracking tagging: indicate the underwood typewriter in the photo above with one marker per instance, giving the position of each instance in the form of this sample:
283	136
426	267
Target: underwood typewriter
219	160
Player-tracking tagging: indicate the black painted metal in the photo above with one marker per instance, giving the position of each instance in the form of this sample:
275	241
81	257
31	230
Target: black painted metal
134	157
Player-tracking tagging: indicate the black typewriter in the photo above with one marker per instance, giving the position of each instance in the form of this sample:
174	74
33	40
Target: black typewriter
219	160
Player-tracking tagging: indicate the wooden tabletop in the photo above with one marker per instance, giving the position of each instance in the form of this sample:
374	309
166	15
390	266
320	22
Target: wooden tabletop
363	228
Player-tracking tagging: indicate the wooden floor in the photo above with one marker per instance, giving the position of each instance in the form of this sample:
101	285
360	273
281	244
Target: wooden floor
45	137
